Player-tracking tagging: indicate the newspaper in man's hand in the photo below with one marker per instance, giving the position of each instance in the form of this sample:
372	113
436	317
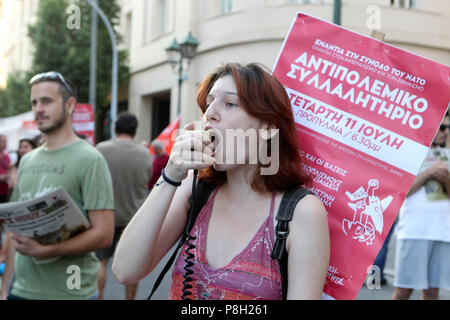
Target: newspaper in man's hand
52	218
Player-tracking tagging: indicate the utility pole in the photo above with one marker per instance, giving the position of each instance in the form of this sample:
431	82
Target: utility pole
337	12
115	63
93	61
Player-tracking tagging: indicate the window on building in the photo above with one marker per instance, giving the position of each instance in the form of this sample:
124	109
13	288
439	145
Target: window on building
159	23
128	31
306	1
408	4
227	6
162	9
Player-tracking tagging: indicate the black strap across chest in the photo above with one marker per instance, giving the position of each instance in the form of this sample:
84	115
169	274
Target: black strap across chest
284	216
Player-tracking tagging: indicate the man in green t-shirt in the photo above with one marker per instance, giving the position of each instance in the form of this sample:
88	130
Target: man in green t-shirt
66	270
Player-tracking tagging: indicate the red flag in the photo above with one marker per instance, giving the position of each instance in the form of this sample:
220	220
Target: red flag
168	135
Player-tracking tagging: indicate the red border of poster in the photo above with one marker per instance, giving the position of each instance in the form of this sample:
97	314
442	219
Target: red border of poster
366	113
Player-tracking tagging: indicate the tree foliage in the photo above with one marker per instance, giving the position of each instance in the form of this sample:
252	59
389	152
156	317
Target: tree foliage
14	99
61	47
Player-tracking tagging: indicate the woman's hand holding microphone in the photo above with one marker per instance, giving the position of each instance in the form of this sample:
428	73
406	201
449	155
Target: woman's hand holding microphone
193	149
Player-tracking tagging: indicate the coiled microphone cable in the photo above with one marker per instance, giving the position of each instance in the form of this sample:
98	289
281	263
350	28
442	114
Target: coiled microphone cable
189	245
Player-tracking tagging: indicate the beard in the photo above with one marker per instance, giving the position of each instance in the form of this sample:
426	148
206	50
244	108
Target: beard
58	123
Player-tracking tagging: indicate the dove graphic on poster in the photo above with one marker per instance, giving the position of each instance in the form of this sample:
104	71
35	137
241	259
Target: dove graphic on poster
367	213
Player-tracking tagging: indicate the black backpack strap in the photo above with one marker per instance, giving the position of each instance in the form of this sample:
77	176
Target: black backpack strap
167	267
203	191
284	215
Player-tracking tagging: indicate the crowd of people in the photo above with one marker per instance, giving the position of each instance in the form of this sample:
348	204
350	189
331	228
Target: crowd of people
138	204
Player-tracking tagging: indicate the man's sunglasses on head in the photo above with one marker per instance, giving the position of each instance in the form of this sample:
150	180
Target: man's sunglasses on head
52	76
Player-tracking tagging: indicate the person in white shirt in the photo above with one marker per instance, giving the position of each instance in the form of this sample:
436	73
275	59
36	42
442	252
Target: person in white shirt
423	231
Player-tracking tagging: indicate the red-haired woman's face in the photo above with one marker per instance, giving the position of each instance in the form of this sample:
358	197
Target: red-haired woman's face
230	125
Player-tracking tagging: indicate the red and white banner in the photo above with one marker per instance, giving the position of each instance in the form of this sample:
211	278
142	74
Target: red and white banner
83	121
366	113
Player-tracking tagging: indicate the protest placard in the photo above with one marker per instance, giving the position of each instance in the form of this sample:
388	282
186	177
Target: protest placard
366	113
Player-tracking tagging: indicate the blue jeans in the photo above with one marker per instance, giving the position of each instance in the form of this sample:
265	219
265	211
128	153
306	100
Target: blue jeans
380	260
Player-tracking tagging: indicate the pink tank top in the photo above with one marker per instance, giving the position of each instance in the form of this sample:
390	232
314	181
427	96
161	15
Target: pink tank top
251	274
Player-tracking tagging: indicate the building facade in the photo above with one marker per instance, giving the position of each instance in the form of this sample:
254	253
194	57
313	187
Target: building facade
228	31
251	31
15	45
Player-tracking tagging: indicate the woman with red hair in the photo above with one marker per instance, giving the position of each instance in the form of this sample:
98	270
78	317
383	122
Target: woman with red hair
234	232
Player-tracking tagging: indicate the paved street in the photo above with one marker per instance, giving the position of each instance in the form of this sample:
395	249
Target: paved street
385	292
116	291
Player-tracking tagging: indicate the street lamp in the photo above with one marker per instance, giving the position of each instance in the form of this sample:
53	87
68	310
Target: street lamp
177	54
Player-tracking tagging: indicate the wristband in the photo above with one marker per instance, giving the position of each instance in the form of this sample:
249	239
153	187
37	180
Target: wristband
171	182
